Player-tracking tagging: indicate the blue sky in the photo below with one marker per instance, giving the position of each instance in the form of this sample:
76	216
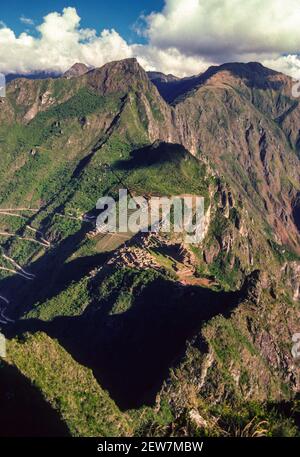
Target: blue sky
97	14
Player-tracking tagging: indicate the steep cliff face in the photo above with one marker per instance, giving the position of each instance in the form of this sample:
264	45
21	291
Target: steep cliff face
128	76
233	140
234	119
243	119
28	97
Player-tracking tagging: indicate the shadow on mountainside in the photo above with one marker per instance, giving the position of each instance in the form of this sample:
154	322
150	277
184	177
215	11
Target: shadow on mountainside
23	410
254	75
154	154
131	353
296	211
53	275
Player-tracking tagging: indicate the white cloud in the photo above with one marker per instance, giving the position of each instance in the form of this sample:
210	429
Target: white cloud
26	20
184	39
61	43
227	29
169	60
290	65
220	31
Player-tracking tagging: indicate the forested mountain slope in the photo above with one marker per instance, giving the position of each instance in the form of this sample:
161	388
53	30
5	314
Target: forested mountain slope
122	334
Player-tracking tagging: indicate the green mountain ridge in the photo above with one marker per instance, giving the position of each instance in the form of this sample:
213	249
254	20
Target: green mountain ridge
145	334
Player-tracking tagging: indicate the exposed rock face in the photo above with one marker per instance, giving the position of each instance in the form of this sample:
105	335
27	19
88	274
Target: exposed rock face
240	117
241	122
78	69
27	97
118	76
211	252
232	119
171	87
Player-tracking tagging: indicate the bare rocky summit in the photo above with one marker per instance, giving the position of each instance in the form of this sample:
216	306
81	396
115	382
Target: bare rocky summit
78	69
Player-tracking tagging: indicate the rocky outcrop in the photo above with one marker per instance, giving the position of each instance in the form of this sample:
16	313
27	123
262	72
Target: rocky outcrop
78	69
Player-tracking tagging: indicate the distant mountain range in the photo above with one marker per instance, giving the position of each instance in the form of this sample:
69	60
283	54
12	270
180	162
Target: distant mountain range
169	86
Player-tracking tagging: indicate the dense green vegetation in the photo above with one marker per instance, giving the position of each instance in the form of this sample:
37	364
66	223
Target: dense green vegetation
166	170
85	312
82	404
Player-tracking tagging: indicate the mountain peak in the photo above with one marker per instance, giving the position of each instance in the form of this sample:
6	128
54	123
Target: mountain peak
78	69
253	74
118	76
161	77
249	69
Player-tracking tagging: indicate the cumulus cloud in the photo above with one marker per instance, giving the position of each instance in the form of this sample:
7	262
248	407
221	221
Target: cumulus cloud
184	38
220	31
290	65
227	28
60	44
169	61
